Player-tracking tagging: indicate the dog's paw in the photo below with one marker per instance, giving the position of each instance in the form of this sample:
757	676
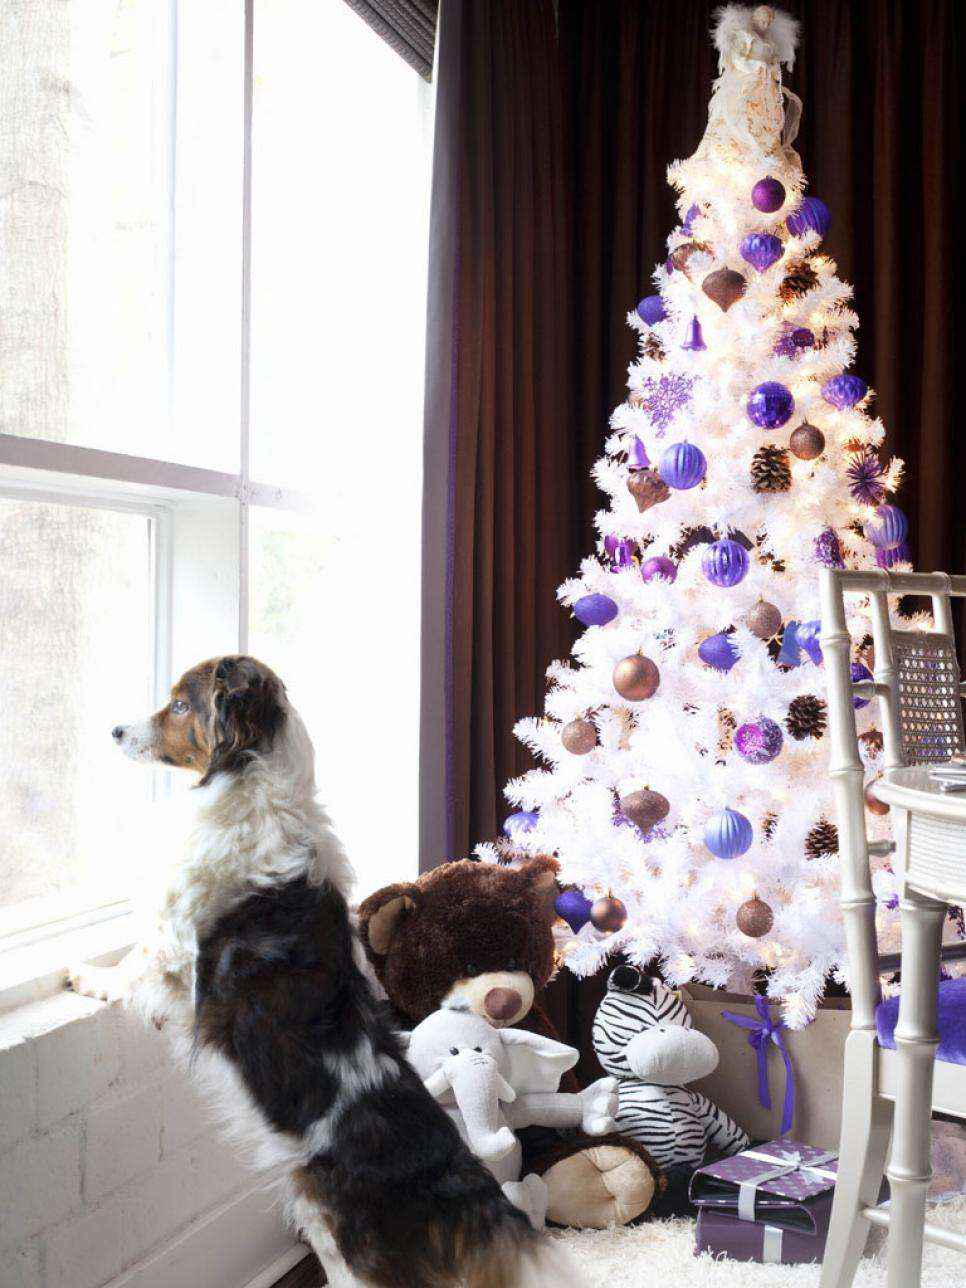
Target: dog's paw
99	982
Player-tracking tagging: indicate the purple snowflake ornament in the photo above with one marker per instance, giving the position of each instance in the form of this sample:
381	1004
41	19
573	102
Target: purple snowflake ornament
663	398
865	476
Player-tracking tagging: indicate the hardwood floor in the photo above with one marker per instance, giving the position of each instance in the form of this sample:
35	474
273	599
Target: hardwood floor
307	1274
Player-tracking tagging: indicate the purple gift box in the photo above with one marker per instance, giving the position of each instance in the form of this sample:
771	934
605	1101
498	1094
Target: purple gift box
775	1183
761	1241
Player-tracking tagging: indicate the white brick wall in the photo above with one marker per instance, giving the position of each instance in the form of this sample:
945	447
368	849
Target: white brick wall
107	1156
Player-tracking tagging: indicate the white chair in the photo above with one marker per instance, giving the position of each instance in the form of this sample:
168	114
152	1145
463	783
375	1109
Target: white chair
917	684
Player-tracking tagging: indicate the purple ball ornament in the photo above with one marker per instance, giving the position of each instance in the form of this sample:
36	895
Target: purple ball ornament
595	610
844	391
888	529
718	652
524	820
761	250
574	907
728	834
659	568
811	216
793	340
651	309
682	466
759	741
895	555
725	562
770	405
768	195
693	339
860	672
827	549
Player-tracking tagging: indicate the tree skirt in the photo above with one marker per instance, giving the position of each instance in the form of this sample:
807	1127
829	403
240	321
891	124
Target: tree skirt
663	1252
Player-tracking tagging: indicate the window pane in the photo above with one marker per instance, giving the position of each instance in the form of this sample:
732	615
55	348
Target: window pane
87	299
340	195
76	638
347	650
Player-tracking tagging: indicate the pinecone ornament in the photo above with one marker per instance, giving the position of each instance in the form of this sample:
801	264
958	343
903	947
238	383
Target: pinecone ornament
822	839
807	717
798	281
653	348
770	471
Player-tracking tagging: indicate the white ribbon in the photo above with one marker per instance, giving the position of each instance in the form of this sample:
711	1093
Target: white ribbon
771	1246
786	1163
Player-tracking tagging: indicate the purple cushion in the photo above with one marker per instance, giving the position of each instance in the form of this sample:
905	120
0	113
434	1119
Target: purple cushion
952	1021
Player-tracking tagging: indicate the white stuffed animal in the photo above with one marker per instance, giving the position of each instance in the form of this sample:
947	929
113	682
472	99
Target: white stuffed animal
643	1035
493	1081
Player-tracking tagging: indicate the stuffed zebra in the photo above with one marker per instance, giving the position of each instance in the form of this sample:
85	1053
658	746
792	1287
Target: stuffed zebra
643	1035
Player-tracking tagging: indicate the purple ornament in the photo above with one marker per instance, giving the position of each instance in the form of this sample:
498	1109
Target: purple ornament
637	457
725	562
620	551
682	466
574	907
659	567
888	529
793	340
895	555
651	309
761	250
770	405
827	549
689	218
693	338
759	741
595	610
728	834
860	672
807	635
865	476
844	391
663	398
524	820
768	195
718	652
811	216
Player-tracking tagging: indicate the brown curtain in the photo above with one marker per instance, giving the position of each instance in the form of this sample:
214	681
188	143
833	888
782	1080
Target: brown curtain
563	137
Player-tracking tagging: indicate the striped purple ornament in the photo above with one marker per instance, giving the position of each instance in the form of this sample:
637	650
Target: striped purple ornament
682	466
728	834
896	555
813	215
659	568
844	391
888	529
725	562
761	250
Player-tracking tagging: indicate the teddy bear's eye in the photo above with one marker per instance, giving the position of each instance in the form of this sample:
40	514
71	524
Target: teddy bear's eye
454	1050
480	1049
470	969
512	964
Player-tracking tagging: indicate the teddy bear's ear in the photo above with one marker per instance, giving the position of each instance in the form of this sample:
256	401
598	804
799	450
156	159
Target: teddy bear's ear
541	874
381	915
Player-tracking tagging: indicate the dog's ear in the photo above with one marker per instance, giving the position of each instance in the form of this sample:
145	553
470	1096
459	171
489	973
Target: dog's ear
383	914
246	713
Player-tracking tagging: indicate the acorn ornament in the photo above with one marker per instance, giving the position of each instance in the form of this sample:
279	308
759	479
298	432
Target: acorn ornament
608	915
579	736
754	918
636	678
725	287
647	488
763	619
807	442
645	808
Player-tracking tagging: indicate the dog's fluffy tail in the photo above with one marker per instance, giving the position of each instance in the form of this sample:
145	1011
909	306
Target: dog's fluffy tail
537	1262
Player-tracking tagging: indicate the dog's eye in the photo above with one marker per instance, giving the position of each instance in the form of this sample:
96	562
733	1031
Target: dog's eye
480	1049
470	970
179	707
512	964
454	1050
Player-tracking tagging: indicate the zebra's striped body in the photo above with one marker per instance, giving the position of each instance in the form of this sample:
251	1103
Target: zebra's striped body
644	1036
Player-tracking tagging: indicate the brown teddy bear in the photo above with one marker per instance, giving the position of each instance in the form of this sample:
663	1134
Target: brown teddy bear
481	934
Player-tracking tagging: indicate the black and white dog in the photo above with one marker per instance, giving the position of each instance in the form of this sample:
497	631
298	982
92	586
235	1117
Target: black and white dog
254	967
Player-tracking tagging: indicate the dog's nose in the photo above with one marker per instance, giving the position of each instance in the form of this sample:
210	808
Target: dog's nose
502	1003
117	733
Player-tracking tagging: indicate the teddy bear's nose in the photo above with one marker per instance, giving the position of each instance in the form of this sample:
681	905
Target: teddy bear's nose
502	1003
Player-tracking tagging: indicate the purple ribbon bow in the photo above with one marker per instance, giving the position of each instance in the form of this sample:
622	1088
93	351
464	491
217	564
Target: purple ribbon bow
761	1031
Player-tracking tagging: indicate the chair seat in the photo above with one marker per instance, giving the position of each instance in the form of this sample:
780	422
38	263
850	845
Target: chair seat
951	1021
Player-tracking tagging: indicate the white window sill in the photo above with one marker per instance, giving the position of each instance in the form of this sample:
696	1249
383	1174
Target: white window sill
36	971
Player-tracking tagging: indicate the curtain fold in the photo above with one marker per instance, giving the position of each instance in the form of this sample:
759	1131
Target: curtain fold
557	136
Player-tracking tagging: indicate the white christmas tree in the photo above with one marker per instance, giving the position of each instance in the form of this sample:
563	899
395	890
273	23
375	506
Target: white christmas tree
685	791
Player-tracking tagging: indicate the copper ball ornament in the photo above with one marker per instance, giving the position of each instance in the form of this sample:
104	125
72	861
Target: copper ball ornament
755	918
807	442
636	678
645	808
872	802
608	915
763	619
579	737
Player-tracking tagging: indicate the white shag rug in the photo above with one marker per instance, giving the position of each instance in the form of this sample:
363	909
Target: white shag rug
662	1253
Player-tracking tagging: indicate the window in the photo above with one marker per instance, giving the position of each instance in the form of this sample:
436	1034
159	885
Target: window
211	332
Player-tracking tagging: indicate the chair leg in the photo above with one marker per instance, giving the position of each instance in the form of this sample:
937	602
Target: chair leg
910	1169
866	1126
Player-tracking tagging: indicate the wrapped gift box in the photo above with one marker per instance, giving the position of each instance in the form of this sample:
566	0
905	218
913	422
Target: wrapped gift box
770	1203
729	1236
